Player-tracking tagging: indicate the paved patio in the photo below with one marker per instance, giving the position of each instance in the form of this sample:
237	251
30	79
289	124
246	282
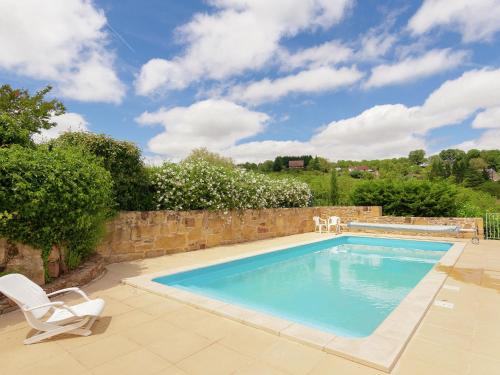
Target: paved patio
141	333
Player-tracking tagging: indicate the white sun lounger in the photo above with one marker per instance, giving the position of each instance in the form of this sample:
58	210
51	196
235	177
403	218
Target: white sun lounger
35	304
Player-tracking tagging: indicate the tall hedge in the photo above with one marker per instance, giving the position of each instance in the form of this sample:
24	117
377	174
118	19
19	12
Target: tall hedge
123	160
408	197
201	185
59	197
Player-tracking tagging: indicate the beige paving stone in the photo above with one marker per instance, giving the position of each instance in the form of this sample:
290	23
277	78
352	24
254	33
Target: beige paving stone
215	359
292	357
440	335
332	364
172	370
484	365
114	307
179	345
416	367
99	352
450	359
62	364
14	355
141	362
151	331
258	368
125	321
162	308
185	317
249	341
143	300
214	327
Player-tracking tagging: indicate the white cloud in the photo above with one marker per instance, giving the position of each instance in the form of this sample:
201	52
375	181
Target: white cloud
490	139
307	81
215	124
66	122
239	35
63	43
488	119
413	68
375	44
392	130
328	53
476	20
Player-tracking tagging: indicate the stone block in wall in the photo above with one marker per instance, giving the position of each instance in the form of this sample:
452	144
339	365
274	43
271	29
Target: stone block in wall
23	259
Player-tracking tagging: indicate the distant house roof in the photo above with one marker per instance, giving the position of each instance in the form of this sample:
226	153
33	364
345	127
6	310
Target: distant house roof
296	164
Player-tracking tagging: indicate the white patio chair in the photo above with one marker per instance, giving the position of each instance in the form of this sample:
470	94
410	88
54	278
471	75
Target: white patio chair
35	304
319	224
333	222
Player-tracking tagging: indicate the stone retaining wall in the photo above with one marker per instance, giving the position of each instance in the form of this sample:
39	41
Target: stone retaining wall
137	235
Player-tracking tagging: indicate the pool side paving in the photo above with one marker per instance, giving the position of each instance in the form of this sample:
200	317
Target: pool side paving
142	332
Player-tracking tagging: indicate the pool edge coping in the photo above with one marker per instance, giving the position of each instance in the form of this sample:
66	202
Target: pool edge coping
380	350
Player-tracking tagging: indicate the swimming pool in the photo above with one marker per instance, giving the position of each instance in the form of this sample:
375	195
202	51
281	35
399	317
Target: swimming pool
346	285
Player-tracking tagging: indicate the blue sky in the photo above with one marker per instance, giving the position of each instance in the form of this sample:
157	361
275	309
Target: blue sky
253	78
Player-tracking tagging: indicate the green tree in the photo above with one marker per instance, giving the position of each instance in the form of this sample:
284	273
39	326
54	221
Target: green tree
416	157
334	188
122	159
459	168
22	115
437	170
266	166
451	155
210	157
278	164
408	197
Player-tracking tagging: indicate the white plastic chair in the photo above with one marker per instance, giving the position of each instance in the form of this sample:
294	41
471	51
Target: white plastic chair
319	224
35	304
333	222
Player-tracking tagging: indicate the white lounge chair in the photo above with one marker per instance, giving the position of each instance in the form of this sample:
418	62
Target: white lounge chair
35	304
333	222
319	224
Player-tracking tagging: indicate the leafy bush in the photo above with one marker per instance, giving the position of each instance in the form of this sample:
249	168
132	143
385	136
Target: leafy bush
201	185
408	197
59	197
472	203
123	160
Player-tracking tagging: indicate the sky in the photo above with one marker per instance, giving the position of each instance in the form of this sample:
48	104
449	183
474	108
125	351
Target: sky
252	79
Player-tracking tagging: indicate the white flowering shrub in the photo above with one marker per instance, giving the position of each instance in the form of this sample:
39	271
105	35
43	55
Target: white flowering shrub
198	185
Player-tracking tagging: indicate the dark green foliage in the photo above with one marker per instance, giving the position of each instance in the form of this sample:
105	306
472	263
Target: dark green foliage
57	197
123	160
451	155
334	188
437	170
408	197
491	187
416	157
22	115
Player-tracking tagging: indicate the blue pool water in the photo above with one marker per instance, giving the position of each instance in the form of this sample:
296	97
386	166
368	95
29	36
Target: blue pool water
347	285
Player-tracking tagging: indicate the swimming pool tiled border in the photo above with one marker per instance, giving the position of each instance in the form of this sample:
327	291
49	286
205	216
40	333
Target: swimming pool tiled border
380	350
